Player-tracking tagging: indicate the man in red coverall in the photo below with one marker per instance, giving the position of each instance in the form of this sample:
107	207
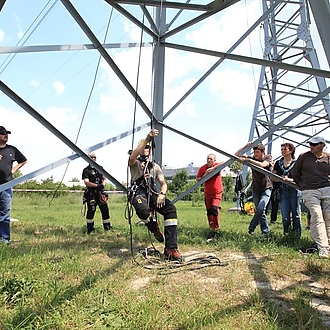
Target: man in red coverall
212	194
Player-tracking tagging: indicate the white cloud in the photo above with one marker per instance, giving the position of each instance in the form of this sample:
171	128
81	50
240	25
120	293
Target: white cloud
34	83
222	31
233	87
20	32
2	35
59	87
61	118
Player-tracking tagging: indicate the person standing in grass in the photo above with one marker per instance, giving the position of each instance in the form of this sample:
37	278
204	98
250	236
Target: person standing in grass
261	185
290	198
94	196
274	202
146	199
212	193
311	172
8	155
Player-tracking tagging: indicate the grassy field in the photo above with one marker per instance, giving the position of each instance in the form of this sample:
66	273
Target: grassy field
54	276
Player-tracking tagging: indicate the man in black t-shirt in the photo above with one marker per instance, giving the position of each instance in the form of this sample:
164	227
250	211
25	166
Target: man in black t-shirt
95	195
8	155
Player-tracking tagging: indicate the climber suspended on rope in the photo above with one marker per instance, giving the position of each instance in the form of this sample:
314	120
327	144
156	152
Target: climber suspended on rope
146	199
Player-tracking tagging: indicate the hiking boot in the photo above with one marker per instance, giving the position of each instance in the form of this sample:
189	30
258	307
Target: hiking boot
159	236
4	241
215	234
251	232
324	253
210	234
90	230
309	250
107	226
173	255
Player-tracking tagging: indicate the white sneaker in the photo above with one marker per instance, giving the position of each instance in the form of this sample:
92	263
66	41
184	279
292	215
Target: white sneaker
3	240
323	253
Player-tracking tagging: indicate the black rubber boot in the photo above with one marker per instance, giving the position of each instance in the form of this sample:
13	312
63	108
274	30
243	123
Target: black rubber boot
90	228
107	226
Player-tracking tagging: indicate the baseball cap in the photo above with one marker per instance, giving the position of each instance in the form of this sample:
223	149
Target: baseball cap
4	131
316	139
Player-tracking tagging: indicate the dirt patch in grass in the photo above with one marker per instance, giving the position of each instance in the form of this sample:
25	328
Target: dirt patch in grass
277	279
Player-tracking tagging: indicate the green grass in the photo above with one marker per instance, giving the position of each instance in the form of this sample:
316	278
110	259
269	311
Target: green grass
54	276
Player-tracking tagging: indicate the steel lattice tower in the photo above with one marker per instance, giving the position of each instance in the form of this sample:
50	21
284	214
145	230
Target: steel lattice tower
292	101
290	105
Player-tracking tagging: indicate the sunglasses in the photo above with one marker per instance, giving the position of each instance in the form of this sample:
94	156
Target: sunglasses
3	133
93	157
147	147
314	144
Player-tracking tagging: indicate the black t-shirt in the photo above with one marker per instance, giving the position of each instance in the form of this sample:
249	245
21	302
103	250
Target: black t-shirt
92	174
9	154
281	170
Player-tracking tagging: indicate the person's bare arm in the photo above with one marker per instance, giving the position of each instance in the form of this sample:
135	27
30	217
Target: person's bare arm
90	184
17	167
262	164
163	189
139	149
238	152
211	169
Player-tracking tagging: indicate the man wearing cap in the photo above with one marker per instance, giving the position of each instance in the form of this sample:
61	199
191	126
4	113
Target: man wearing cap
146	200
311	172
94	196
262	185
8	155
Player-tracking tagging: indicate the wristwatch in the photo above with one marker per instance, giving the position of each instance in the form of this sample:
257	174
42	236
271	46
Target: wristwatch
162	193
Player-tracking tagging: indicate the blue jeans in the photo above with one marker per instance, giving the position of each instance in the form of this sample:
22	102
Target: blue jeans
290	209
260	201
5	207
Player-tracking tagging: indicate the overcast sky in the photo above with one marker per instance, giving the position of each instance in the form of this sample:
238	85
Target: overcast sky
58	84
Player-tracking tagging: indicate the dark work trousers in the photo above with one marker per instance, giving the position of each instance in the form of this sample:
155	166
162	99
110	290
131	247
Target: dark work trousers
273	203
144	206
92	201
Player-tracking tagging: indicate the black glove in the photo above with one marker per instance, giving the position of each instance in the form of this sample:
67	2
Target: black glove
99	187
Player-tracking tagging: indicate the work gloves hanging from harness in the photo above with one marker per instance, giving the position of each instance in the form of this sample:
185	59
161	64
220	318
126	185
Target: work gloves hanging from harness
161	200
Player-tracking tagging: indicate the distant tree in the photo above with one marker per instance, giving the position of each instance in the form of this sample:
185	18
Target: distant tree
236	167
17	174
228	188
109	186
179	182
45	184
74	180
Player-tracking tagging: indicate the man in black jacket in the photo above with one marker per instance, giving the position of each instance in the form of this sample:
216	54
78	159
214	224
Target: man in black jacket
95	195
